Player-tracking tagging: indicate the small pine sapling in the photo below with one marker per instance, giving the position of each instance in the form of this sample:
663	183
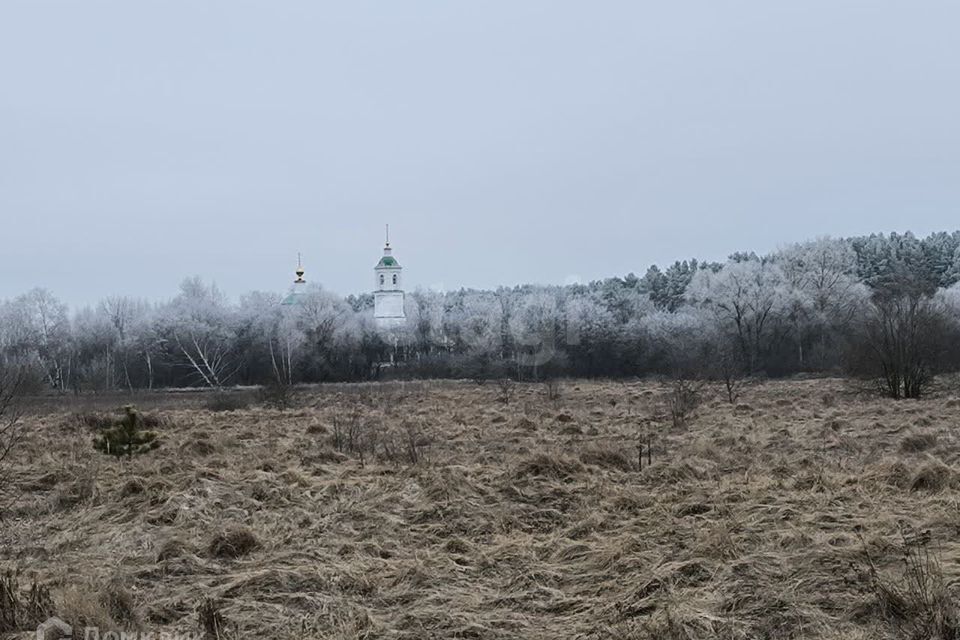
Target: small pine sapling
127	436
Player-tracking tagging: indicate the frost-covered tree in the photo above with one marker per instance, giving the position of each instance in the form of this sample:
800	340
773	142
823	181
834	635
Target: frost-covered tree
477	318
146	341
895	263
271	338
200	332
37	329
626	298
680	341
950	299
425	310
828	295
537	331
952	276
322	316
801	308
125	315
939	250
94	346
595	341
749	298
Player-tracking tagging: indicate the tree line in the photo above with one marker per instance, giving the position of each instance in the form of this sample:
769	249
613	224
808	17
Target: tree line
884	306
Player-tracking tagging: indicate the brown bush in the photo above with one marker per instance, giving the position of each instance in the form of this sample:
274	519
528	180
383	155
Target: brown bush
915	600
933	476
83	607
232	542
918	442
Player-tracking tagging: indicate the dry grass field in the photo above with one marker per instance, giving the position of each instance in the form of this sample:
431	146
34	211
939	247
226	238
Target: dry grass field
437	511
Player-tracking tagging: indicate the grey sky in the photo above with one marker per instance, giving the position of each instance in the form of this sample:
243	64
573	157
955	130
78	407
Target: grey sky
505	142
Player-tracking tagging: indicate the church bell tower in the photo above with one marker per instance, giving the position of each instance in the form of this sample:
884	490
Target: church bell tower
388	290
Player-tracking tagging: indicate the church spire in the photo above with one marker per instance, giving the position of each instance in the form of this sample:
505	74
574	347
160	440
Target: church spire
300	271
386	248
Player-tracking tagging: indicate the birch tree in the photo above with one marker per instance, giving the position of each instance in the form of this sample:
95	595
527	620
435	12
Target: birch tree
39	328
199	329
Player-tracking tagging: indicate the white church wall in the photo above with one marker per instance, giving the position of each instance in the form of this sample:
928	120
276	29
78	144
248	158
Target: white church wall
388	304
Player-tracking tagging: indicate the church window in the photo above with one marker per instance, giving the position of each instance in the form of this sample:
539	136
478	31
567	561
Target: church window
381	278
394	278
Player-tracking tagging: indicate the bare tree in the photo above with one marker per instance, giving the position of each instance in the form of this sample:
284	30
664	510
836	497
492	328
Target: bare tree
728	367
905	335
505	387
751	298
827	295
12	382
683	398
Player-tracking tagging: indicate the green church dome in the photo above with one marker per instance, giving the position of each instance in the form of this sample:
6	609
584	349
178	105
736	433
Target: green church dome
294	298
388	261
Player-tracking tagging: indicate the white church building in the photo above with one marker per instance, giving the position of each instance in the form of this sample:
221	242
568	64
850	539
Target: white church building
388	296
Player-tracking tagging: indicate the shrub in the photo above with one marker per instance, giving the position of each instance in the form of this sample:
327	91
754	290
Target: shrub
19	611
917	602
127	437
505	390
277	395
408	443
901	341
81	607
683	399
11	426
554	390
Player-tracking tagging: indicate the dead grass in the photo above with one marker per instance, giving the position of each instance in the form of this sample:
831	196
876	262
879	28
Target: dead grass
452	514
22	609
232	542
917	442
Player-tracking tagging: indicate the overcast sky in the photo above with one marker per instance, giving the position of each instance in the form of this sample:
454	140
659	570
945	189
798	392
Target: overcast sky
504	141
